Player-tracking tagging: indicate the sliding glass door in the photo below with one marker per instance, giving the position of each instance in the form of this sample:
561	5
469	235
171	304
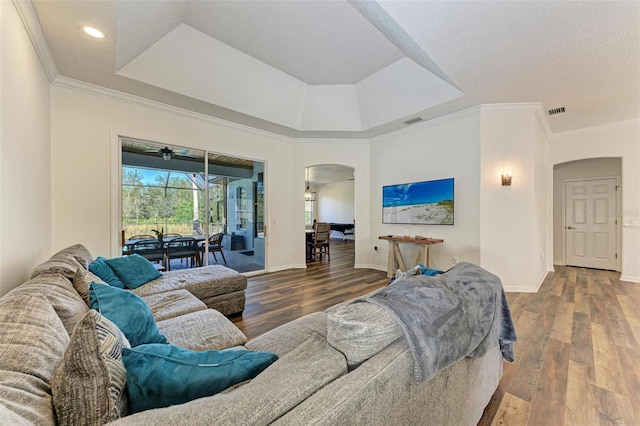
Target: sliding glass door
177	191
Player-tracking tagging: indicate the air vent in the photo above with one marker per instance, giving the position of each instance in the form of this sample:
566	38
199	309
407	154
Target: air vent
413	121
556	111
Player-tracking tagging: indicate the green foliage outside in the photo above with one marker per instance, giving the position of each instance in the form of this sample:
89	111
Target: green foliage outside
167	205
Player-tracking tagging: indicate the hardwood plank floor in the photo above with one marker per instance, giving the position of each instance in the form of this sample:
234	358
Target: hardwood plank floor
578	350
577	355
279	297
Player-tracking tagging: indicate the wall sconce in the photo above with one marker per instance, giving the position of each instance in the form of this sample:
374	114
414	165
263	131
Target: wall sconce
506	178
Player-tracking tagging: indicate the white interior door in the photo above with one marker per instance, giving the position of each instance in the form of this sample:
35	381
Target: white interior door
590	228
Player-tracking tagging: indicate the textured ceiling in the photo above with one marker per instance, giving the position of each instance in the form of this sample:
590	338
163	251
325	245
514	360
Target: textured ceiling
355	69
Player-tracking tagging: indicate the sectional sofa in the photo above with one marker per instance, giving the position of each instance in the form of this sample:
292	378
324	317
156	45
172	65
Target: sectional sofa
350	364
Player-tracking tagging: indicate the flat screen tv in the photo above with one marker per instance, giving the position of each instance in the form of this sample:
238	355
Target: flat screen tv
418	203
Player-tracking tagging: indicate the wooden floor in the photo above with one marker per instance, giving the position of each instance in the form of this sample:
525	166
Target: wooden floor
578	350
279	297
577	355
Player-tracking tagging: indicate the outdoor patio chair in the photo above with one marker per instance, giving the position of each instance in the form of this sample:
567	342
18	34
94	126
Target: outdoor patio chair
151	249
215	245
142	237
183	248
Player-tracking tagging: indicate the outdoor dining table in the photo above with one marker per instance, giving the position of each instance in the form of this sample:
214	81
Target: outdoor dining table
165	240
126	249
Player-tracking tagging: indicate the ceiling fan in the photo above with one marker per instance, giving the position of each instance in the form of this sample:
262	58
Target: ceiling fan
168	154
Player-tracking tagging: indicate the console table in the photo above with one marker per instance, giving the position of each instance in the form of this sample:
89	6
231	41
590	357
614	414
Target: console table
395	259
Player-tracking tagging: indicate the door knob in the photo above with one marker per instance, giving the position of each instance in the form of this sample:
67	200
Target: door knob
571	227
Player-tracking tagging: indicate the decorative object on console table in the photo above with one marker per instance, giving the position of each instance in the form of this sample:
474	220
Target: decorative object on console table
395	259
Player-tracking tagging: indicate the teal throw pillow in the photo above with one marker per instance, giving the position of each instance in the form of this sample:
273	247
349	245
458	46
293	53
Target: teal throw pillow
100	268
128	311
163	375
133	270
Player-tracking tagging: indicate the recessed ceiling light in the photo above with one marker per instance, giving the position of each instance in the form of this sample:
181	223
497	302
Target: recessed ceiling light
94	32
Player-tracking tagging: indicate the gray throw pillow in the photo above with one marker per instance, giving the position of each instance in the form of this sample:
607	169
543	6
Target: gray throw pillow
81	282
89	384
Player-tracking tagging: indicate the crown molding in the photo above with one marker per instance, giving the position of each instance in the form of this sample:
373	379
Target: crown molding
341	141
615	125
536	107
426	124
511	107
543	121
69	83
31	23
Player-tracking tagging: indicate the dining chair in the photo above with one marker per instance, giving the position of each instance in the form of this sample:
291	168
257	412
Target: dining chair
142	237
183	248
215	245
172	235
320	241
151	249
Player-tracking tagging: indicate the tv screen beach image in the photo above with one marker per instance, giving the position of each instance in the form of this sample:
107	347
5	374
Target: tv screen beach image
418	203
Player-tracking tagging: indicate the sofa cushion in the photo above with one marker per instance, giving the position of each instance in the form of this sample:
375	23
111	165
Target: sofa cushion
277	390
163	375
360	330
133	270
79	253
81	282
203	283
58	289
173	304
100	268
128	311
63	263
287	337
89	385
32	342
201	331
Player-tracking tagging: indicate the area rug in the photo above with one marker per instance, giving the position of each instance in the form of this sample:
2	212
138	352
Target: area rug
247	253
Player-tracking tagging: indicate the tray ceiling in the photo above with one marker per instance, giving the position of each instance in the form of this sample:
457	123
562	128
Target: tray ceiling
350	68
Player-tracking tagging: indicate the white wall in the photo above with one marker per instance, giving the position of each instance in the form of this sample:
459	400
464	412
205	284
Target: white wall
25	157
579	169
441	148
351	153
542	233
515	241
84	165
335	202
613	140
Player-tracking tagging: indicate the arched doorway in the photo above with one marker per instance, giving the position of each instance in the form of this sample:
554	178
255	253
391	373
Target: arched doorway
578	174
333	201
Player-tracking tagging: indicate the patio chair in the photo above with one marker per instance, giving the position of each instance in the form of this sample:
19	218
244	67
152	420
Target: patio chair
172	235
215	245
151	249
183	248
142	237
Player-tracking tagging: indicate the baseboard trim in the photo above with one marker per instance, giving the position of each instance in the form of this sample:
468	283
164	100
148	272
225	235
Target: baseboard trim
629	278
285	267
369	266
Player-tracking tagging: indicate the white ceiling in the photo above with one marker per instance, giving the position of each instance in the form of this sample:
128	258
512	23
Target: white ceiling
354	69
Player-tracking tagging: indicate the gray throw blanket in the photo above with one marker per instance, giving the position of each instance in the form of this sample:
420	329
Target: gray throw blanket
447	317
